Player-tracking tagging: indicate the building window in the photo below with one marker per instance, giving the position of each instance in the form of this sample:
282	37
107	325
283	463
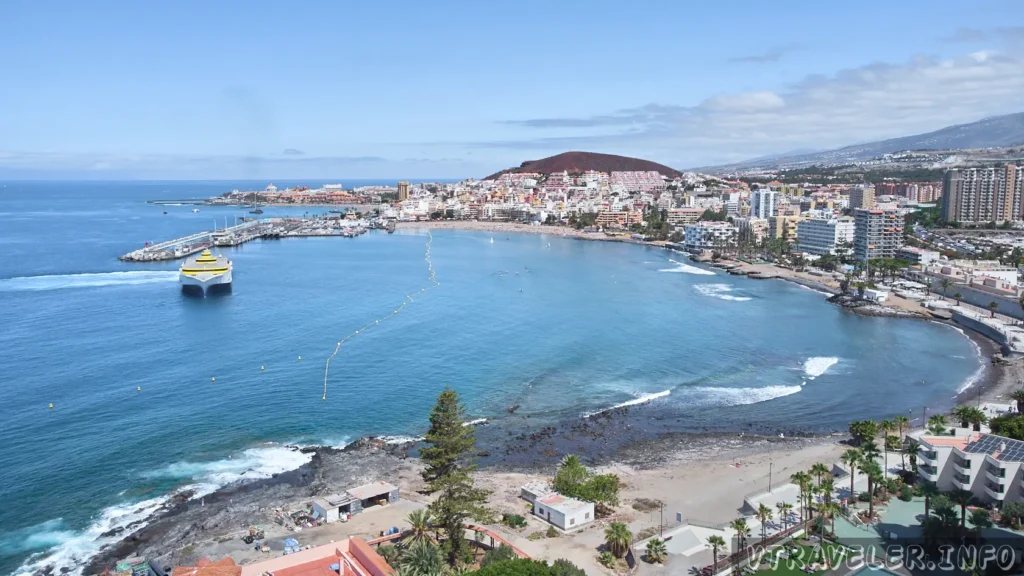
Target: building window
540	511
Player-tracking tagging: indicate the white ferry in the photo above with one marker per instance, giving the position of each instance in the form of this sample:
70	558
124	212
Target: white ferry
205	272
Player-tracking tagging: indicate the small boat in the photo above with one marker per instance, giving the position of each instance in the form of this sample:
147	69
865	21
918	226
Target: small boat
256	211
165	211
492	240
336	211
196	210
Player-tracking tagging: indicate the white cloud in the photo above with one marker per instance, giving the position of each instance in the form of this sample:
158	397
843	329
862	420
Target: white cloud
872	102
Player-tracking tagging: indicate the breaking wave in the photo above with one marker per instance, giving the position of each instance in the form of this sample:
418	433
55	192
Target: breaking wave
716	396
818	365
642	399
475	422
686	269
252	464
61	281
720	291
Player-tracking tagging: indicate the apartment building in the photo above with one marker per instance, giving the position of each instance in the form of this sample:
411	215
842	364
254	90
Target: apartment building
987	465
820	235
709	236
978	195
862	197
762	203
751	229
784	227
877	233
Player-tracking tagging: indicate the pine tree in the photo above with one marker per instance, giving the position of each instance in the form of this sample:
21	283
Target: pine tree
448	460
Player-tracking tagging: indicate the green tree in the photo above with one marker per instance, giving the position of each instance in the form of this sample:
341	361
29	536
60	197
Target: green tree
571	474
784	509
1018	397
657	553
818	470
515	567
419	526
912	447
937	424
742	531
873	471
852	458
958	296
448	465
764	515
803	480
884	427
716	543
961	498
831	510
863	430
929	491
992	307
1009	425
618	538
982	520
945	285
563	567
423	559
499	554
391	554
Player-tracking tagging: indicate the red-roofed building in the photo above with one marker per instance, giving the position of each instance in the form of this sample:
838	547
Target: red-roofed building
224	567
351	557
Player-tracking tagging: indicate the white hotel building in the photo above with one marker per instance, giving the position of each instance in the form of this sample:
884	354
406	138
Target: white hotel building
820	236
709	236
987	465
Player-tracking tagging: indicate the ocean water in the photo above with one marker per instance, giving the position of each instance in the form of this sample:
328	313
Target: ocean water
563	328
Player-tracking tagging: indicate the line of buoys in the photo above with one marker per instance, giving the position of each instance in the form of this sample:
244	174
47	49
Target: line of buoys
432	277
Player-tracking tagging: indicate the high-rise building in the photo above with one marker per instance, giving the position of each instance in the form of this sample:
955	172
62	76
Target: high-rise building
821	236
763	203
862	197
877	233
982	194
403	191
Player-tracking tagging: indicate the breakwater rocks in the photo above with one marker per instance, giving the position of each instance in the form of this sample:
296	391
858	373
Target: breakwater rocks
868	308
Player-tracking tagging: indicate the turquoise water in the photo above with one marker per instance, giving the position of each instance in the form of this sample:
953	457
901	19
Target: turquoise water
561	327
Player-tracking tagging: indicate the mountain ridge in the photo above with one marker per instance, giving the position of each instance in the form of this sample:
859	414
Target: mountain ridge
575	162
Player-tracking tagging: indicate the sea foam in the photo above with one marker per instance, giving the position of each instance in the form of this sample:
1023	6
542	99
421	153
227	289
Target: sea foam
720	291
686	269
718	396
818	365
93	280
640	399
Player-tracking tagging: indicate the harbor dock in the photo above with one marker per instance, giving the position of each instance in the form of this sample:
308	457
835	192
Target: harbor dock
270	228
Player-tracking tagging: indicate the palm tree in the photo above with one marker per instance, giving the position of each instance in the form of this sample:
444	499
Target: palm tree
742	531
764	515
928	490
852	458
424	558
873	471
992	307
784	508
902	425
981	520
716	543
656	551
819	470
945	284
937	424
912	446
391	554
1018	397
958	296
827	487
885	426
419	522
963	498
831	510
618	538
963	414
803	480
976	418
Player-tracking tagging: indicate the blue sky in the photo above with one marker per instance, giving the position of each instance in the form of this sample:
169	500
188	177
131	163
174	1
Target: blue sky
340	89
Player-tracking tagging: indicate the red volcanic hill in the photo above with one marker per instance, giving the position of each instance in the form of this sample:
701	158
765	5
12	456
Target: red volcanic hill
579	162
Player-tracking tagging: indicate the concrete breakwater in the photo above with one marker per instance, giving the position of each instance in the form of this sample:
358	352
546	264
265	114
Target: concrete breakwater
245	232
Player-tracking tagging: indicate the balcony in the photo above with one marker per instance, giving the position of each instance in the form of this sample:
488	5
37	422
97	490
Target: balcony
928	456
962	466
995	475
962	481
929	473
995	491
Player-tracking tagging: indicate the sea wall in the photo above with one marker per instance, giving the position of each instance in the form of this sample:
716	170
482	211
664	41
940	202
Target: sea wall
982	328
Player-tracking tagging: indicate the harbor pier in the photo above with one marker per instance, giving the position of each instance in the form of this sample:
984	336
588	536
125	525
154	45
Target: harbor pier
242	233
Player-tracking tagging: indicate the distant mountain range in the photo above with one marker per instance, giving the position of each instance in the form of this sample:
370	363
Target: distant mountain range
577	162
993	132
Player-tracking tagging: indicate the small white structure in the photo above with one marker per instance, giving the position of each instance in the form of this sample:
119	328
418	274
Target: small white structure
561	511
876	295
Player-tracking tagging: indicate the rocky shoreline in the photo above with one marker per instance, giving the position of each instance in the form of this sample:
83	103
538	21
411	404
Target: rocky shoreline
868	308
